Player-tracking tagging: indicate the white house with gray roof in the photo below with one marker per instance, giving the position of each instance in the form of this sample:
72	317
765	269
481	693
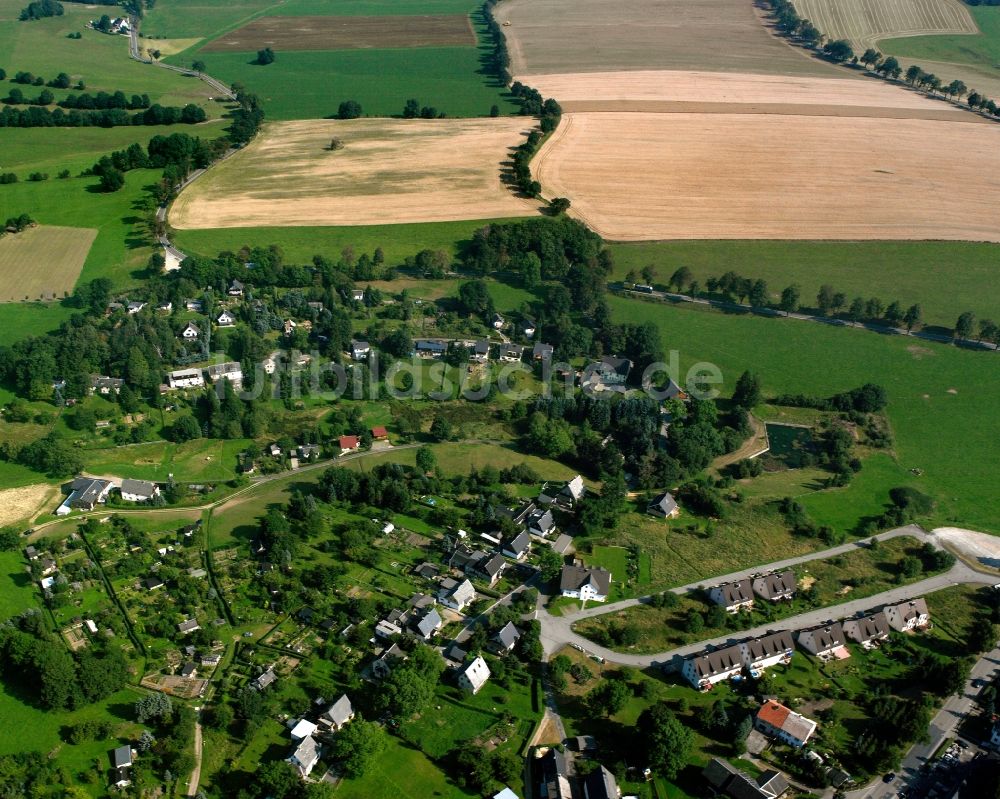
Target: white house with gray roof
907	616
586	583
338	714
139	490
705	670
305	755
474	676
456	595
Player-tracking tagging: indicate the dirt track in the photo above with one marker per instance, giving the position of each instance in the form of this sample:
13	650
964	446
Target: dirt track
637	176
389	171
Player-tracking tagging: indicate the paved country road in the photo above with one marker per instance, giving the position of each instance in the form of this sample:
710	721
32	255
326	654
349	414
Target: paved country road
557	631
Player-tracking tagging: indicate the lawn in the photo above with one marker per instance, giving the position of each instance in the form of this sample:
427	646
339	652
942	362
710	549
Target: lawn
942	399
910	272
17	592
19	320
403	771
300	244
856	575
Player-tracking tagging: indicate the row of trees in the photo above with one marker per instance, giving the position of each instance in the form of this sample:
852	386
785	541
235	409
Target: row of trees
38	116
40	9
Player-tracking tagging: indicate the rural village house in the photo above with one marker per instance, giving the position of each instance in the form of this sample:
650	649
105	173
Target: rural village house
776	586
824	641
705	670
139	490
586	583
777	721
906	616
474	676
733	596
867	629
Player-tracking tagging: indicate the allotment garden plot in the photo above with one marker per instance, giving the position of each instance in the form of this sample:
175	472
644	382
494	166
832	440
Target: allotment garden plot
640	176
383	172
347	33
42	262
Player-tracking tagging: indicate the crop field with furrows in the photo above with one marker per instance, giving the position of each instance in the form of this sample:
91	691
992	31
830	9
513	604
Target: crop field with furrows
387	171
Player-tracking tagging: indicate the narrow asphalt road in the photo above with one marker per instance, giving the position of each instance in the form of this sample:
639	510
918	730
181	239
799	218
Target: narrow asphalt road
557	631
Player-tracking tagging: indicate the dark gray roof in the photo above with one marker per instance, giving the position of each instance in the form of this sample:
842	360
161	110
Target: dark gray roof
720	661
427	345
868	627
507	636
600	784
769	645
520	543
827	636
493	566
542	351
735	592
88	489
541	520
573	578
122	756
718	772
775	584
773	782
138	487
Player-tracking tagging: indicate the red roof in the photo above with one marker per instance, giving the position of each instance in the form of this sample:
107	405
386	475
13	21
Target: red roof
349	442
774	713
380	432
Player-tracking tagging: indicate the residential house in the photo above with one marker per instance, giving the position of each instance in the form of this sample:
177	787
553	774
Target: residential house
586	583
518	547
387	661
705	670
121	758
607	374
555	775
511	353
776	586
262	681
134	307
541	522
189	670
490	568
429	624
542	352
907	616
825	641
338	714
47	566
498	321
456	595
505	639
454	655
165	307
270	363
235	289
518	515
139	490
387	629
225	319
358	295
360	350
566	497
194	305
190	331
480	352
185	378
600	784
427	570
866	630
289	327
305	755
85	493
663	505
733	596
152	583
349	444
768	650
188	626
506	793
474	676
315	305
427	348
379	433
302	730
728	780
777	721
528	328
101	384
31	553
231	371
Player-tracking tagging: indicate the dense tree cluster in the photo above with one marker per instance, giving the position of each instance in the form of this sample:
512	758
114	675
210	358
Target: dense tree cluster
57	679
40	9
869	398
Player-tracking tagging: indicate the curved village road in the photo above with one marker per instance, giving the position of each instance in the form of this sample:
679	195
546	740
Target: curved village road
557	631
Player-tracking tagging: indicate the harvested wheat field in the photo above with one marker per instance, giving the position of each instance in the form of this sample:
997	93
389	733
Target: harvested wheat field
42	262
639	176
347	33
388	171
19	504
596	36
865	22
655	90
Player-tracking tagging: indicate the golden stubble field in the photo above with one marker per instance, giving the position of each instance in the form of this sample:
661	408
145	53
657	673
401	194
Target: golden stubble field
42	262
649	176
595	36
388	171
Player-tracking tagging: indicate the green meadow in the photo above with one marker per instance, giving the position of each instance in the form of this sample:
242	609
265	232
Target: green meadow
19	320
312	84
943	405
908	271
981	50
300	244
100	60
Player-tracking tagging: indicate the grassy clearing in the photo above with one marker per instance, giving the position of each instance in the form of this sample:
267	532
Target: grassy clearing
300	244
18	320
981	50
403	771
16	589
855	575
942	399
63	251
201	459
911	272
